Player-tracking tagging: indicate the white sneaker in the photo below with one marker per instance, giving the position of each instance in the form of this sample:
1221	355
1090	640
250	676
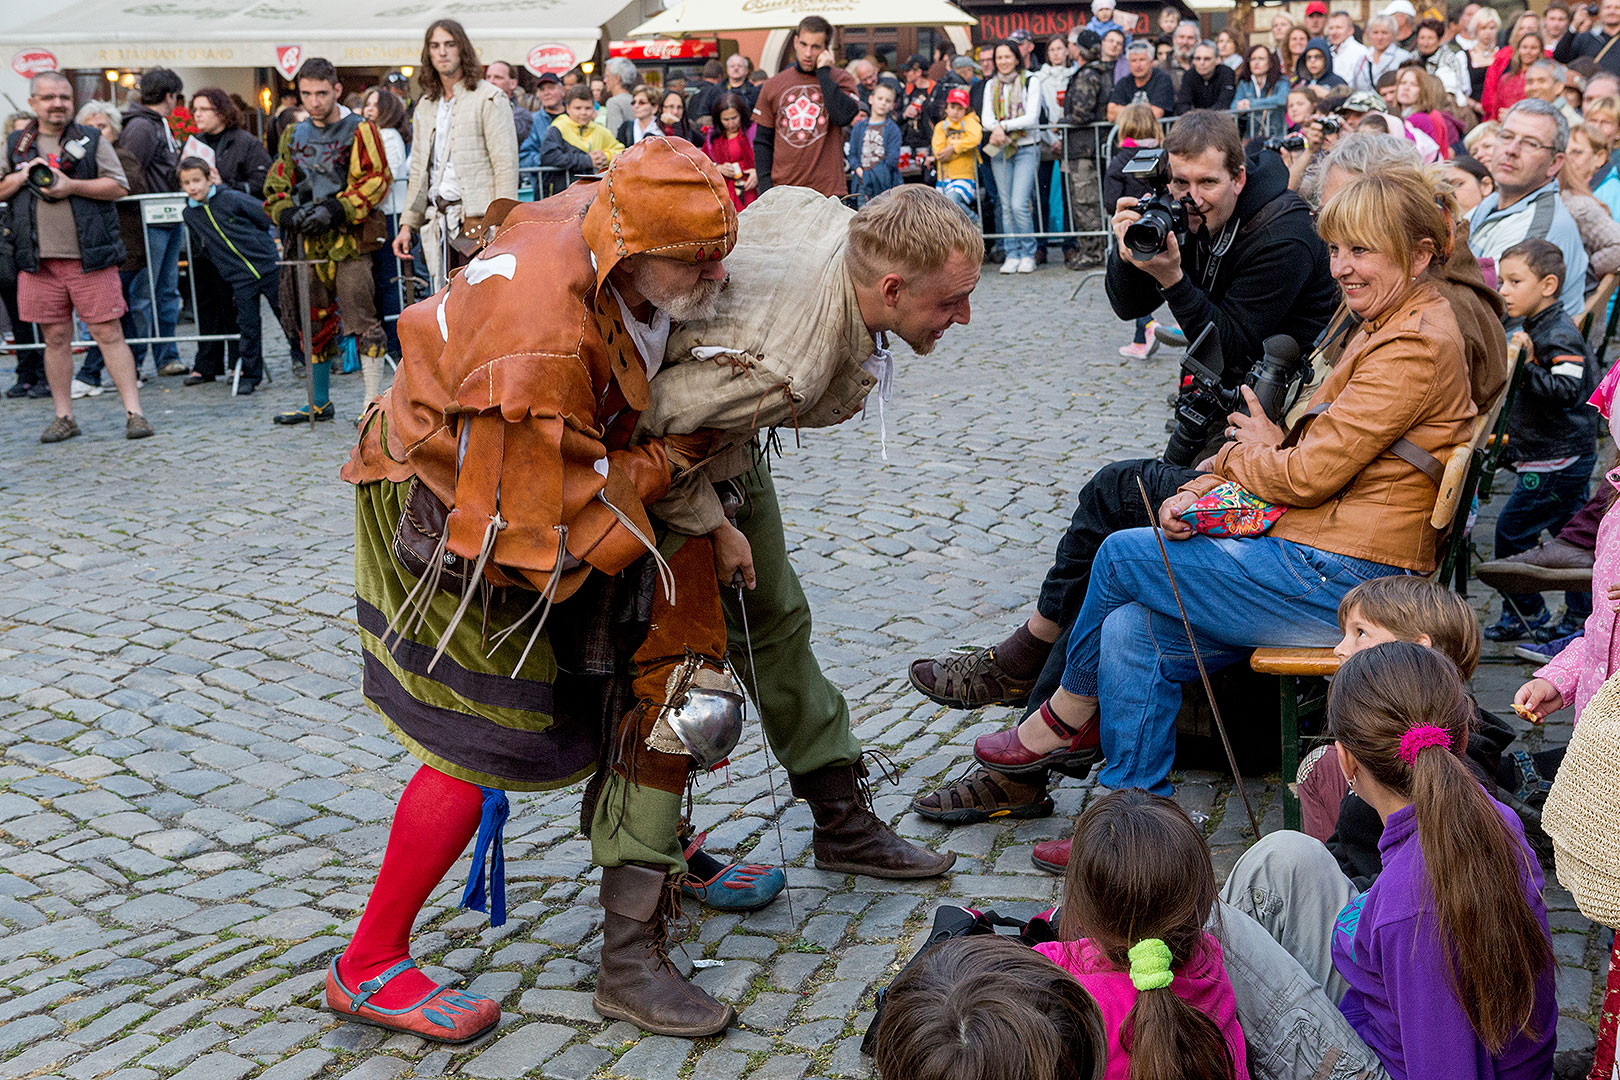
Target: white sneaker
84	389
1011	265
1026	265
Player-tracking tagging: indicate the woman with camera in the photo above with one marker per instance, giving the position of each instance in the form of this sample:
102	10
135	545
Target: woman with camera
1358	477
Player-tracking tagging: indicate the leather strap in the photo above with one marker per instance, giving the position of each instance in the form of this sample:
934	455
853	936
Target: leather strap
1403	448
376	983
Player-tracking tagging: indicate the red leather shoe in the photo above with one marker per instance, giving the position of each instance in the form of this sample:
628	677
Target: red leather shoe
445	1015
1052	856
1006	753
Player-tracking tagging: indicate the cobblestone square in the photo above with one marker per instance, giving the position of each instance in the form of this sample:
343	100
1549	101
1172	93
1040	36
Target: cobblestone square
194	798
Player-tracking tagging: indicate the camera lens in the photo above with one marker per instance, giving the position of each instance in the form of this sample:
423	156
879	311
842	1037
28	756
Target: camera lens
1148	235
39	177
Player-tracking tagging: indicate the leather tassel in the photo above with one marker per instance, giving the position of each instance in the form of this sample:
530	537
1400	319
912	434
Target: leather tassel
491	531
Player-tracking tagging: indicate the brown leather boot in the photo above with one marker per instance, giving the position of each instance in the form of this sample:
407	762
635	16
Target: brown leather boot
849	838
637	982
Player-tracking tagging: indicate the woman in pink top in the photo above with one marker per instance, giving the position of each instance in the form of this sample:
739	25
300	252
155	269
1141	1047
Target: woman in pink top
1138	892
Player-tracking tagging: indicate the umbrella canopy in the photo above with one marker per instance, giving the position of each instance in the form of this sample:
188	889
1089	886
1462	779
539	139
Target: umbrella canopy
718	16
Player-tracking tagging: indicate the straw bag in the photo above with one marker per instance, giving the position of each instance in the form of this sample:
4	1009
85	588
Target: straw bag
1582	815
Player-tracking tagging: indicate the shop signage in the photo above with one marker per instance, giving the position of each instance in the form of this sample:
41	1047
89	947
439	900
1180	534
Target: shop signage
1041	22
288	59
665	49
30	62
553	57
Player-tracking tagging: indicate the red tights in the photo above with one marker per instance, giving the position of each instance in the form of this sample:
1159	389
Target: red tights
436	818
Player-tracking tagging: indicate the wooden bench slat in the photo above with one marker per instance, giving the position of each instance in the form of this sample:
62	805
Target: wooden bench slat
1294	661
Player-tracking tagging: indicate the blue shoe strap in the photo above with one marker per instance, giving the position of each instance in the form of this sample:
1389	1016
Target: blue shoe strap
489	844
376	983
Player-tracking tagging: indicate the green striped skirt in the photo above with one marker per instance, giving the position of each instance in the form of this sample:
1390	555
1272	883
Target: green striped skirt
469	717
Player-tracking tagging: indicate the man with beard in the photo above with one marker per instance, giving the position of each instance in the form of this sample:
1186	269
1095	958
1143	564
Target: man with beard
801	115
498	467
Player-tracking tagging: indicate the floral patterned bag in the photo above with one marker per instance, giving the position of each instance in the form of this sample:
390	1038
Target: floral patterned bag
1229	511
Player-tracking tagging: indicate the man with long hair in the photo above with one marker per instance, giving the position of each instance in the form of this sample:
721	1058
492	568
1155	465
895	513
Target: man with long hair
465	152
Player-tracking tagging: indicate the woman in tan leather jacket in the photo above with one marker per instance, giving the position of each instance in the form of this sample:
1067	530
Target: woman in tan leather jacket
1359	477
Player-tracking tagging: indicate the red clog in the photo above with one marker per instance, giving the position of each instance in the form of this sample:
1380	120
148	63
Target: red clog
1006	753
1052	856
445	1015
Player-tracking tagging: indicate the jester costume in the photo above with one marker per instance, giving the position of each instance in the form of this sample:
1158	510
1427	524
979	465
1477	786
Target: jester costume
323	192
521	629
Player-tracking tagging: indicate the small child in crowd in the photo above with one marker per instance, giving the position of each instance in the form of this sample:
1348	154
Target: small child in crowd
1552	434
1139	129
987	1008
575	141
234	231
956	149
874	146
1139	891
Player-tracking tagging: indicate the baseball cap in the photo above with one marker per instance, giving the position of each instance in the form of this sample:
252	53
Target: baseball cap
550	77
958	95
1102	5
1401	7
1020	35
1363	101
1088	39
1316	7
965	63
916	61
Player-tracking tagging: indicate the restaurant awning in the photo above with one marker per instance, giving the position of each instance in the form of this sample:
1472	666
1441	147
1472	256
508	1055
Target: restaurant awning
717	16
258	33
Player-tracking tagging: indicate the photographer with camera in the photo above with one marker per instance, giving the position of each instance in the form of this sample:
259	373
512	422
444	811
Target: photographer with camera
61	180
1599	42
1249	262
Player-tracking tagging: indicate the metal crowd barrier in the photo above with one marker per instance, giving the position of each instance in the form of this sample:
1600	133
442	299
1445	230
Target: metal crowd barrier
1105	139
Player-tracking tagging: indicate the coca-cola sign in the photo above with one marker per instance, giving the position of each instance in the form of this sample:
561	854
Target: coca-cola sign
30	62
665	49
552	57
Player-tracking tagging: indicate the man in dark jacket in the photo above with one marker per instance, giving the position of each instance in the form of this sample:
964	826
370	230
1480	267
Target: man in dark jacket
1085	103
61	180
1209	85
146	135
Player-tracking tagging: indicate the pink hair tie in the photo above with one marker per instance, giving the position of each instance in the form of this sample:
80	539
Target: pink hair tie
1421	738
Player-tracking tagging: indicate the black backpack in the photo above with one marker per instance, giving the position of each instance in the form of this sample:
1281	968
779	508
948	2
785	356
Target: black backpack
951	922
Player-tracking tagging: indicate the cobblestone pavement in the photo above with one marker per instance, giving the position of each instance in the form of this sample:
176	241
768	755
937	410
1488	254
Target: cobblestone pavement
193	799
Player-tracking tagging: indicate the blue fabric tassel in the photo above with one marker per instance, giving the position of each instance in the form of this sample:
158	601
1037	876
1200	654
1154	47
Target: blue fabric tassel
490	826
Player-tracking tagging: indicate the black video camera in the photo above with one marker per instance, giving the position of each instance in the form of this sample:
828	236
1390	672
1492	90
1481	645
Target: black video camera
40	176
1293	142
1206	402
1162	213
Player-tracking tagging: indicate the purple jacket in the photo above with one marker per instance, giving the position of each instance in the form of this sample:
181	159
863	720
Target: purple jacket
1384	945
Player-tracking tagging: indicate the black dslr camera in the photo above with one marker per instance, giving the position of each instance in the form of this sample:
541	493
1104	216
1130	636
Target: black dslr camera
1206	402
40	177
1162	213
1293	142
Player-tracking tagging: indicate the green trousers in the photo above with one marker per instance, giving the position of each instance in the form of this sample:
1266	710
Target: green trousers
806	719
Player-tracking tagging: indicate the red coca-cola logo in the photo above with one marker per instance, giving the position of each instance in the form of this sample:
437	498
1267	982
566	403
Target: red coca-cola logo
30	62
552	57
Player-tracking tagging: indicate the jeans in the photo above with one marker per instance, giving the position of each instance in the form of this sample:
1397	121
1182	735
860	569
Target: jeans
1543	501
216	314
1050	173
163	243
246	300
385	271
1110	501
1015	191
133	322
1275	925
1129	649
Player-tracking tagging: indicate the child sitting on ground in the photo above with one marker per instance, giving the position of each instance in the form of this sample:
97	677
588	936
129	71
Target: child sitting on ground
575	141
874	147
1139	129
1552	435
1139	891
985	1008
956	149
234	230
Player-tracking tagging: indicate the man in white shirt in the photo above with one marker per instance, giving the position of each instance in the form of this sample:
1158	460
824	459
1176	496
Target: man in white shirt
1347	51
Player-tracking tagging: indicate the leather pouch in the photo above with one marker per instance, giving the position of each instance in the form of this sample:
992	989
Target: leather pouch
419	534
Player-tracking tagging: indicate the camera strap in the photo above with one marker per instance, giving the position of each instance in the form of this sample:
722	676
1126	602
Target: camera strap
1403	448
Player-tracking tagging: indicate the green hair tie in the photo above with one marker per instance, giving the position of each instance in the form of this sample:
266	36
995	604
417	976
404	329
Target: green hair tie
1150	964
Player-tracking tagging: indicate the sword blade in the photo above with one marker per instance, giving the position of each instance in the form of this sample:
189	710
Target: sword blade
770	775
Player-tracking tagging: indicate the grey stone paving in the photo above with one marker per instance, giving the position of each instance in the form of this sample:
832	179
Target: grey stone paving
193	799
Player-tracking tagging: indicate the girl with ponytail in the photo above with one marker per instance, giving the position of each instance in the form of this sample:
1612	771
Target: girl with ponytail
1444	965
1138	893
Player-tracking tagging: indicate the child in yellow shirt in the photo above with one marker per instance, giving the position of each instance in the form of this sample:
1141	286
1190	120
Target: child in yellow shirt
575	141
956	149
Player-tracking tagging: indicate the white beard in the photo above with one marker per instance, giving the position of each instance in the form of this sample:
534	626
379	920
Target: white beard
699	304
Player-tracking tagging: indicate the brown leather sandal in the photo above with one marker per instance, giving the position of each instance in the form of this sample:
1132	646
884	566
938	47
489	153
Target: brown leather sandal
970	679
983	795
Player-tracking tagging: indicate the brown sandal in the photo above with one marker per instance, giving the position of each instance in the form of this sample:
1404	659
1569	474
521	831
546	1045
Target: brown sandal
983	795
969	679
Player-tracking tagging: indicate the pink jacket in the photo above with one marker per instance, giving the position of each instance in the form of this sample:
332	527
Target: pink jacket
1583	666
1202	983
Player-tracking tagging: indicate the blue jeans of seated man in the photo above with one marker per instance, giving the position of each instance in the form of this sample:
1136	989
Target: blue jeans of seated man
1015	192
1129	649
1275	926
163	244
1545	500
